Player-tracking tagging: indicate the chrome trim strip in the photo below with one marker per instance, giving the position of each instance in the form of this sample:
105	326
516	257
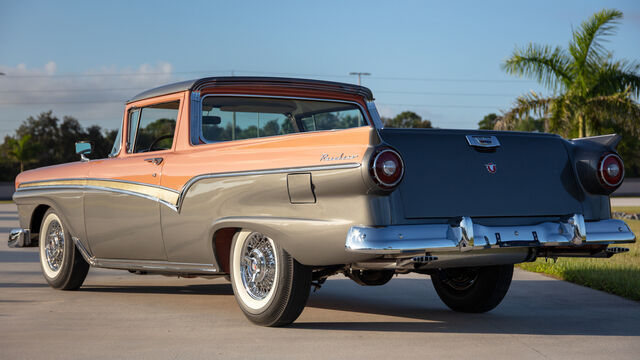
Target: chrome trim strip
19	238
197	178
98	179
195	138
399	239
99	188
145	265
175	205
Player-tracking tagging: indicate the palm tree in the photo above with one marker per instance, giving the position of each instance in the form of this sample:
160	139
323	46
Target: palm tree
590	90
22	150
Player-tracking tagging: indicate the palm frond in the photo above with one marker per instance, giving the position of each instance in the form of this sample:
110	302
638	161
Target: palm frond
618	76
525	105
618	109
548	65
560	113
586	44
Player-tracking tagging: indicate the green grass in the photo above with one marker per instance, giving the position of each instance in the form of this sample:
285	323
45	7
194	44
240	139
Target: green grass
618	275
6	201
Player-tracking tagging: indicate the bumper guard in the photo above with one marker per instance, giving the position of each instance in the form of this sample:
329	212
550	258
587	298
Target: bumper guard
466	236
19	238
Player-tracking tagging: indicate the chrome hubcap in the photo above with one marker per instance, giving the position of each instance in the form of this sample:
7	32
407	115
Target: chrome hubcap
258	266
54	246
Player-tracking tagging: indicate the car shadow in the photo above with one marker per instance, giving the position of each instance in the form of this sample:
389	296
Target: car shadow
19	256
531	307
196	289
22	285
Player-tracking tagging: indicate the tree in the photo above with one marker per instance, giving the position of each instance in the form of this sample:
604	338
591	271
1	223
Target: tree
407	119
44	140
591	91
22	150
489	121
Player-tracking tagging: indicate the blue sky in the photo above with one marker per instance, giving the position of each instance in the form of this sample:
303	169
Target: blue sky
439	59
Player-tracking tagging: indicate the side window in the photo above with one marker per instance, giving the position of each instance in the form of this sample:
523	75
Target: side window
236	118
154	129
221	125
333	120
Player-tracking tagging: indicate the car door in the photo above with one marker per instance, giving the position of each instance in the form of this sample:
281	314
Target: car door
123	197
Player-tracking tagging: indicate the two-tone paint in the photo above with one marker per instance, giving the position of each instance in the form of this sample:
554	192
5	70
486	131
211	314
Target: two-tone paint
175	210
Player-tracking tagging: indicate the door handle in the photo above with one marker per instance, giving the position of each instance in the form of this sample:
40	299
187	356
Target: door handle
155	160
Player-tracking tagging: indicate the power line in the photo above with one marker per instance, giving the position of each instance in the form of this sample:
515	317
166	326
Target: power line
439	93
68	90
79	102
394	78
442	106
89	90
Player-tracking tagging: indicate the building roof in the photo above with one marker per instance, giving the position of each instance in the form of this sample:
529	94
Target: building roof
211	82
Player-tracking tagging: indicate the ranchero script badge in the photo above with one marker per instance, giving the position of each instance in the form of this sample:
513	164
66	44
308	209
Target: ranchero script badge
327	157
491	168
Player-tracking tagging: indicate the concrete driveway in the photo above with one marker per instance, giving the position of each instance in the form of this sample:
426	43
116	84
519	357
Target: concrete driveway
120	315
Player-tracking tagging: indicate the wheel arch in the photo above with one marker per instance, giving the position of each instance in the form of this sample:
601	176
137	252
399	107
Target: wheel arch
37	216
287	232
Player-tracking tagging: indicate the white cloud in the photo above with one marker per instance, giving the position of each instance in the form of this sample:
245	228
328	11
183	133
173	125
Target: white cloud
95	96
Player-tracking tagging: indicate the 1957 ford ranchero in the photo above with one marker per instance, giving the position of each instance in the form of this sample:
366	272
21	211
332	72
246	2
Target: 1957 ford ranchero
279	183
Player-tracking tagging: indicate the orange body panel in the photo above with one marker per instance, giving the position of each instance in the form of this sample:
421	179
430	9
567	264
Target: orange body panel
184	161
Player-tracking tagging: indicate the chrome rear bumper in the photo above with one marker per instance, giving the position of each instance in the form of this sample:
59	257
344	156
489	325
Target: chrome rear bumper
466	235
19	238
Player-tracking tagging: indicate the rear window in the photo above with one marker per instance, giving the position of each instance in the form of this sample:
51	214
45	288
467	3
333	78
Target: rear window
236	118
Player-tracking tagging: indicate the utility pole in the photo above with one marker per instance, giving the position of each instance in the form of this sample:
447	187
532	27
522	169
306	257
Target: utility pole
360	75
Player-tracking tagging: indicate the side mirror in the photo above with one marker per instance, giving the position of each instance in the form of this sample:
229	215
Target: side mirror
83	148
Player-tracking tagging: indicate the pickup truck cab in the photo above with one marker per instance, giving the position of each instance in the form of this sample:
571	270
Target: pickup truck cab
280	183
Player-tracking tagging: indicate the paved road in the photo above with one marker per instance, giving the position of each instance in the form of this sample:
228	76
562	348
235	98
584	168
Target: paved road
120	315
625	201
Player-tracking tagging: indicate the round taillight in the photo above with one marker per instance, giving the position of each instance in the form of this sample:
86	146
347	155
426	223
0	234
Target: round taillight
387	168
611	170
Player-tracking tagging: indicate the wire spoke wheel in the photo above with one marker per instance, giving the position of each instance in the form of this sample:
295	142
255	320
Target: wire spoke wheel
62	266
258	266
270	286
54	247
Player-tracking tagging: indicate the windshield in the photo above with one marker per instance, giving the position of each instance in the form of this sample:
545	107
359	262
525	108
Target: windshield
115	150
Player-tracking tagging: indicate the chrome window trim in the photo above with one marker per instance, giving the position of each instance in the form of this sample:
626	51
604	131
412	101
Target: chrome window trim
195	118
373	110
195	141
141	108
131	145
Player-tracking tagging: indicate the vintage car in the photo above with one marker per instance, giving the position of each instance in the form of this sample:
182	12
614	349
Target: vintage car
280	183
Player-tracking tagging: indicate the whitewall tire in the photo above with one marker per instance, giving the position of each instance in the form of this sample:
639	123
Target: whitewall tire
270	286
62	266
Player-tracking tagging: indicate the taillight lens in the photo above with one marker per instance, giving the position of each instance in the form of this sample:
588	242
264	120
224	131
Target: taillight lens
611	170
387	168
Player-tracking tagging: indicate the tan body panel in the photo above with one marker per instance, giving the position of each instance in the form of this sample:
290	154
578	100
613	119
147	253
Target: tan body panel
134	209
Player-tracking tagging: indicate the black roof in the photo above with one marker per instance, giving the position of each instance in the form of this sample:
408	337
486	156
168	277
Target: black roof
199	84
